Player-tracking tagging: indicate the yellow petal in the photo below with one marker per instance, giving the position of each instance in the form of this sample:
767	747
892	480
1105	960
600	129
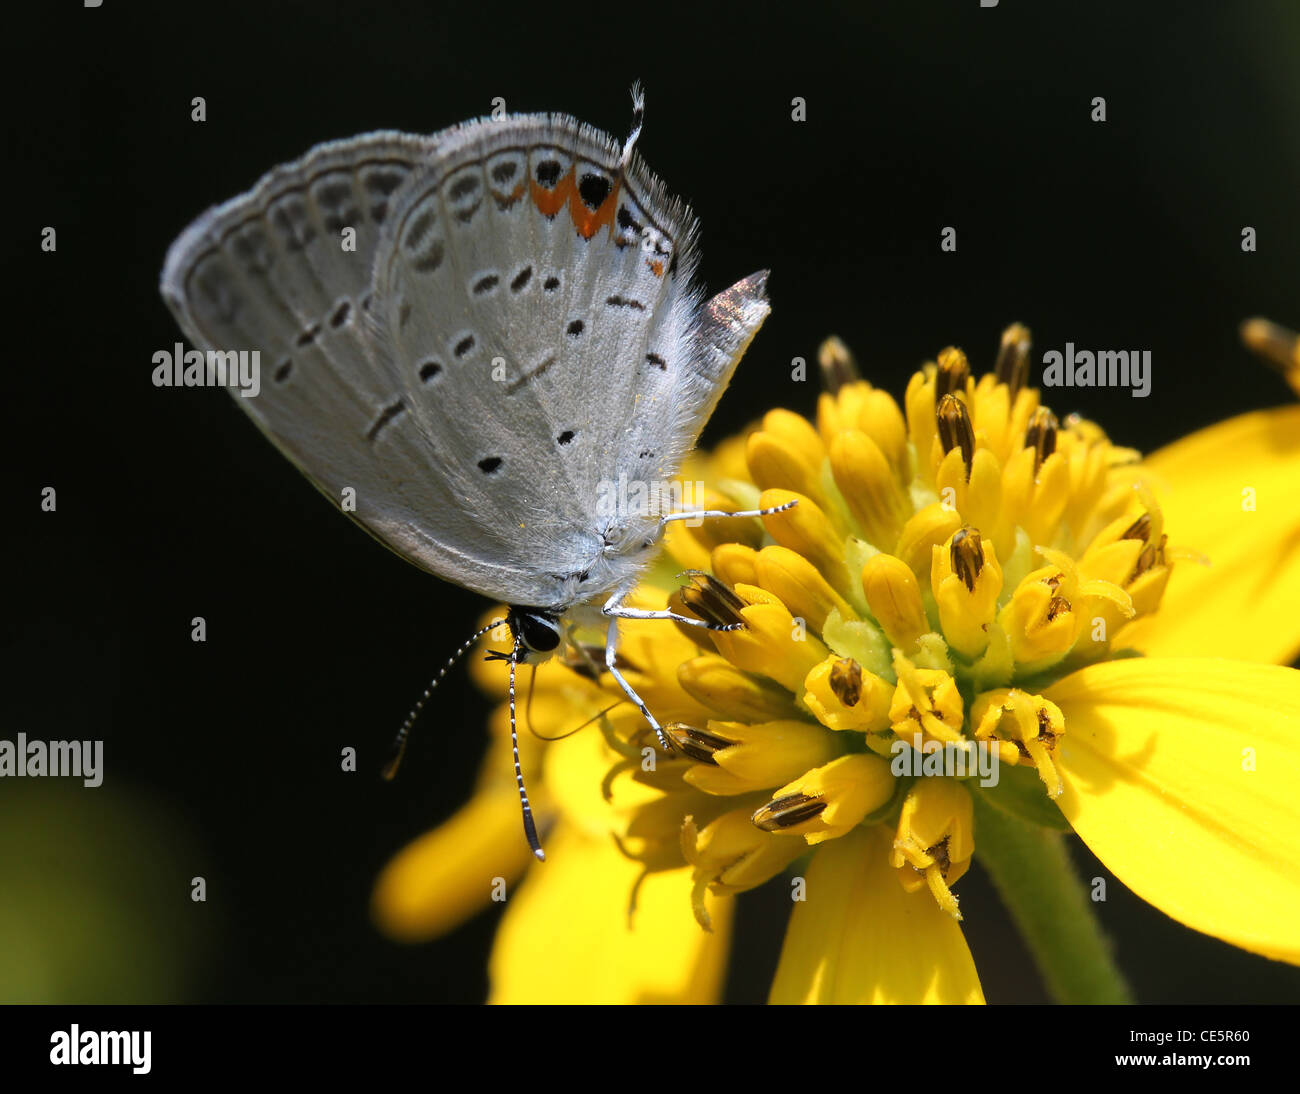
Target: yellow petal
1155	763
831	799
807	530
858	937
800	586
927	528
895	600
565	936
870	487
787	453
735	564
717	684
730	855
842	696
1243	604
763	755
445	876
772	643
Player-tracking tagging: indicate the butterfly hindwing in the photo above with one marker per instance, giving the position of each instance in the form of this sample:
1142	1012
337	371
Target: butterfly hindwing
552	289
278	270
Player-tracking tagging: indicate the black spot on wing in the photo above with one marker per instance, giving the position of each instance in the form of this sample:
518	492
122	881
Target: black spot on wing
464	186
431	259
386	416
548	173
593	190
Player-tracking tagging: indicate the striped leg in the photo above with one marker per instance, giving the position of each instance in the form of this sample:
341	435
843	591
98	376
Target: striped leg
611	656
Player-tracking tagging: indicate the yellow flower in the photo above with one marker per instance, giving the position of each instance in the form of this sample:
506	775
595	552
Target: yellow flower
1231	491
956	599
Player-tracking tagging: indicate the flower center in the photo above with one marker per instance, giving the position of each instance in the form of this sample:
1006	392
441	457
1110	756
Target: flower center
889	637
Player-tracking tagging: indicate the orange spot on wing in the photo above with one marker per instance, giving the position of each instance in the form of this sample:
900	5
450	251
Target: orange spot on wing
550	202
656	267
590	221
513	196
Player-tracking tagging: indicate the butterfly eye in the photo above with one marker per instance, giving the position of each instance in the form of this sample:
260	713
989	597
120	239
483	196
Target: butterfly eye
537	630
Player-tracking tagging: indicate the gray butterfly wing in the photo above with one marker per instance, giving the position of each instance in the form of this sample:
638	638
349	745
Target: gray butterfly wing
268	271
536	296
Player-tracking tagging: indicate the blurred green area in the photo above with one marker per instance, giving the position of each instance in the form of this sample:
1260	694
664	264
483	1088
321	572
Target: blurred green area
96	901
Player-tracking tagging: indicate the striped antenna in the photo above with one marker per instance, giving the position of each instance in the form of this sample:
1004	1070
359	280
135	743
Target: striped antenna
530	829
398	749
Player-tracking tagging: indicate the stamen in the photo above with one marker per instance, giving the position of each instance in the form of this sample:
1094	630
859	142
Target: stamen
955	429
1152	555
1056	606
952	374
712	600
846	681
786	812
967	553
838	365
939	852
1012	366
1046	733
1041	436
1139	529
1277	345
695	743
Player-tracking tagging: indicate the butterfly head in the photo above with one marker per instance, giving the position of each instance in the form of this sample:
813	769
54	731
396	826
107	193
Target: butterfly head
536	631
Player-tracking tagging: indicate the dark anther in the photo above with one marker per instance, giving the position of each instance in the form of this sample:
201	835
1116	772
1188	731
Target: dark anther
786	812
955	429
1139	529
952	374
967	555
1012	366
846	681
712	600
1057	606
695	743
837	364
1041	436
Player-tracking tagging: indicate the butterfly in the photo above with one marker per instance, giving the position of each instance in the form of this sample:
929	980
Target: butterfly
470	337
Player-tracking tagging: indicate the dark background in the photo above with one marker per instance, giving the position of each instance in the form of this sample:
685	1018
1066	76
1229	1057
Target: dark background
223	757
